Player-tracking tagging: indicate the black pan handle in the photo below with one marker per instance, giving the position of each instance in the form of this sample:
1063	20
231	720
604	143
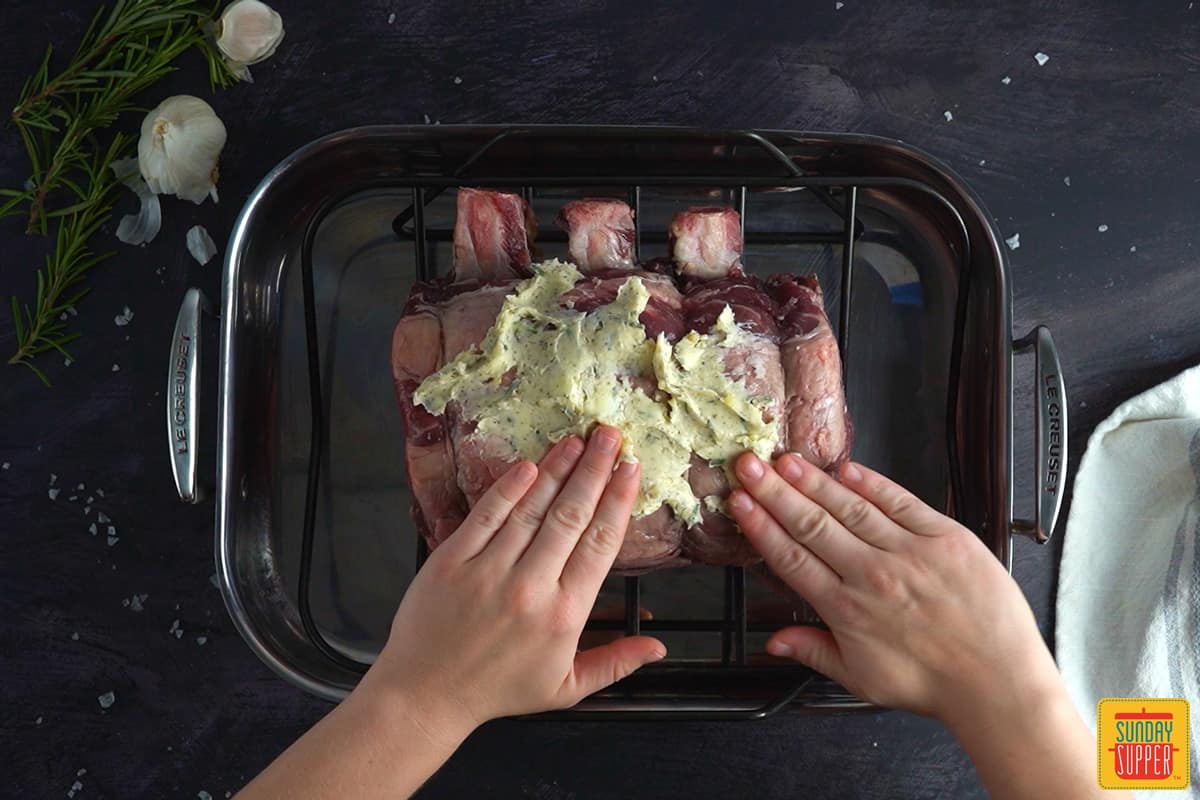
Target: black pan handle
1050	432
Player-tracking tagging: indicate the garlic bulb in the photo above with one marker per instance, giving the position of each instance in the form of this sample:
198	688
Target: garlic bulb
179	146
247	33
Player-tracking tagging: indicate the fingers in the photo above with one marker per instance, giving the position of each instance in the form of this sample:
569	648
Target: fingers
527	516
605	665
491	512
813	647
900	505
571	512
857	514
791	561
593	556
805	521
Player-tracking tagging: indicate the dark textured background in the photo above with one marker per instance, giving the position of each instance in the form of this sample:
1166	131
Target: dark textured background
1116	109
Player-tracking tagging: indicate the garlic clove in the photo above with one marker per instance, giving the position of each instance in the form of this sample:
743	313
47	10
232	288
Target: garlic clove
248	32
179	146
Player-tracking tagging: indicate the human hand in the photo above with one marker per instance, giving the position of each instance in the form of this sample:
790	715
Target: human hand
490	625
921	615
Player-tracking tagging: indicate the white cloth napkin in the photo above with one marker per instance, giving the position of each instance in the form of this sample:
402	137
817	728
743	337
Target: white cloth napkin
1128	622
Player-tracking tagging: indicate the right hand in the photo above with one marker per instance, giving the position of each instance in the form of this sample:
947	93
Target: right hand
921	614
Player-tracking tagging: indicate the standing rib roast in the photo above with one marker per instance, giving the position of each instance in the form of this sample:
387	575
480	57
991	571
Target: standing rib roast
792	357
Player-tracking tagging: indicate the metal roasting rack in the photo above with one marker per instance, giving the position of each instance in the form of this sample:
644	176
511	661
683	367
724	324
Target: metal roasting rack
841	195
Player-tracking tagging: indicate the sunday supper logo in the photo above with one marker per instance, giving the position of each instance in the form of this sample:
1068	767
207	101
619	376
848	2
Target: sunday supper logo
1142	743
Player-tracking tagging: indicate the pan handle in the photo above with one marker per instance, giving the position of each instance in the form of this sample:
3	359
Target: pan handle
1050	432
183	396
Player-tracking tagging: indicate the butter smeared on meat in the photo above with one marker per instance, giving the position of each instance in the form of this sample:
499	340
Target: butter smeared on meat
544	372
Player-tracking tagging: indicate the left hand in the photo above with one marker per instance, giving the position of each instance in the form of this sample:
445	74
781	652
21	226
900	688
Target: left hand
491	624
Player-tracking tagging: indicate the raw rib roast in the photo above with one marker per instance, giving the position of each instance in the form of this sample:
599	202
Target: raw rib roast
793	356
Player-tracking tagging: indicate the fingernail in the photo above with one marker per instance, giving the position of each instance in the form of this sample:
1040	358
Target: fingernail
750	467
607	440
526	471
658	655
790	466
740	501
851	472
628	469
780	649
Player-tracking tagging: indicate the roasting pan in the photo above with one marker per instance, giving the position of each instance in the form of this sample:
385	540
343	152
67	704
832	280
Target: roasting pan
314	542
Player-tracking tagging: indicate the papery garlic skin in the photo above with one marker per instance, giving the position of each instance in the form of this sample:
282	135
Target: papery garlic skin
200	244
142	227
248	32
178	150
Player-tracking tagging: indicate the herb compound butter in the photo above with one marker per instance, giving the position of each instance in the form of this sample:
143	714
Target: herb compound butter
544	372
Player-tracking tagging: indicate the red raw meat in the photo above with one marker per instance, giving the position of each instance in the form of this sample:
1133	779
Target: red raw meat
706	243
600	233
492	235
818	421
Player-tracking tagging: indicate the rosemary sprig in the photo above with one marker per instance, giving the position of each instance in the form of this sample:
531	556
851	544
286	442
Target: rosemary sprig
41	327
60	116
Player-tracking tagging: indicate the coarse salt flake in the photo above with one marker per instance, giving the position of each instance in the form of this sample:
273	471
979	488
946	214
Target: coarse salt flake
1102	228
391	18
1013	241
124	318
103	518
107	699
949	117
52	493
1006	80
1041	58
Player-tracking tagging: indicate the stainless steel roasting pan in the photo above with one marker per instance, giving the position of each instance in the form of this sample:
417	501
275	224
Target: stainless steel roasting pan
314	543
